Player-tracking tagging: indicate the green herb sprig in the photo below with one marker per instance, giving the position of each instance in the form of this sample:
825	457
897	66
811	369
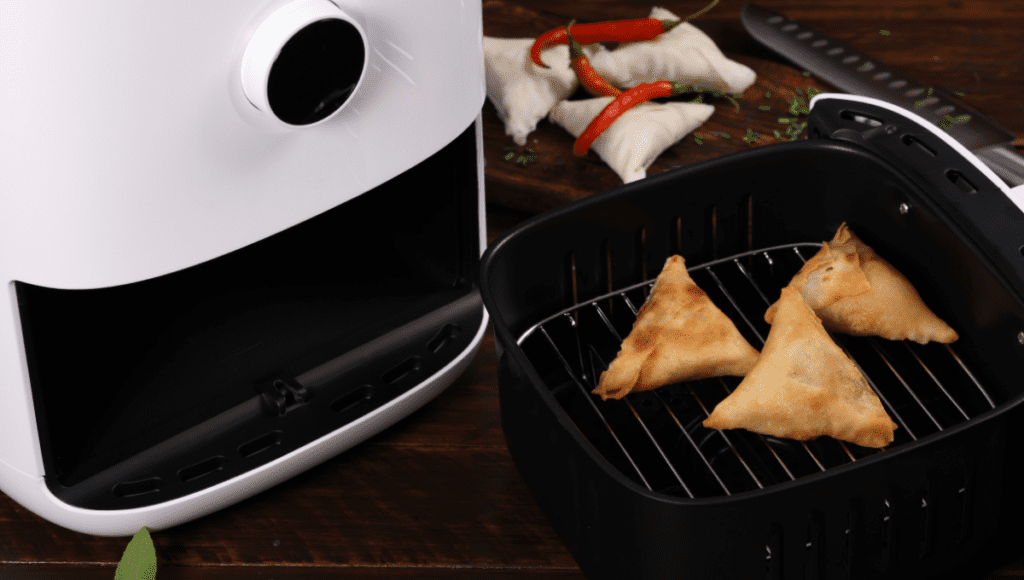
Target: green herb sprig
949	120
139	559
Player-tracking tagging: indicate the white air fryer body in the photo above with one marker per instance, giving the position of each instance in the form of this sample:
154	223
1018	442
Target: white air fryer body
131	150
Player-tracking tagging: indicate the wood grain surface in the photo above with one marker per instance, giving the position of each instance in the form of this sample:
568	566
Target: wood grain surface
437	495
960	46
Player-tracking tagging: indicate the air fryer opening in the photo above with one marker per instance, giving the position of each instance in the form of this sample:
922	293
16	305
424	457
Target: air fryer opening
316	72
157	376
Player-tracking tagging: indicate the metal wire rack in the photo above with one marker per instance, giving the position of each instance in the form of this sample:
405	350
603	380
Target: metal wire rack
657	438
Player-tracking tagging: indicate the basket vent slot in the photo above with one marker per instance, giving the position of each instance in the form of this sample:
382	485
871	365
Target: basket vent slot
260	444
606	263
848	544
641	256
917	145
711	231
402	370
773	558
571	270
679	235
136	488
447	334
962	509
960	181
813	564
927	526
202	468
861	118
887	525
352	399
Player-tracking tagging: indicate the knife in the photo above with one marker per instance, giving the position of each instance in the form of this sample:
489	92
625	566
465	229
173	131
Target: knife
850	70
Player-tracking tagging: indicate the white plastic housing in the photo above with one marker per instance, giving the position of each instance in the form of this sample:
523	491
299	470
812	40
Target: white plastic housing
130	151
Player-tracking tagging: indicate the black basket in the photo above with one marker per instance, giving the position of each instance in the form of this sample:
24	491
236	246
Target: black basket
637	488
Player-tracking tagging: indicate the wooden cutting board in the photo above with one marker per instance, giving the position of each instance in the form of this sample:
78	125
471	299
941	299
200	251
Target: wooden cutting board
549	175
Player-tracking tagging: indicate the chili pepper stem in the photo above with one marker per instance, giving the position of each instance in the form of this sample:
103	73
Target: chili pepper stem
670	24
702	10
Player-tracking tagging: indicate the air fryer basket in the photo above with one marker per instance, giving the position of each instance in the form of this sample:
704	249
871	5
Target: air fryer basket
637	488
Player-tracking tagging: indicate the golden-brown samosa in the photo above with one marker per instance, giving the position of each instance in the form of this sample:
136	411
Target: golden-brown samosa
804	386
854	291
679	335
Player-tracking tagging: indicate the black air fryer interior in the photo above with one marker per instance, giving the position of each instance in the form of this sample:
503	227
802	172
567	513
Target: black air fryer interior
623	482
153	390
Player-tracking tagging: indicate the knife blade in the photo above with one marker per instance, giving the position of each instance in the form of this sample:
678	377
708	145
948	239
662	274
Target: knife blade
850	70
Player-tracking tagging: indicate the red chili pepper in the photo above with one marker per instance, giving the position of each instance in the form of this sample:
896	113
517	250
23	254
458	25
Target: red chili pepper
617	31
622	103
584	71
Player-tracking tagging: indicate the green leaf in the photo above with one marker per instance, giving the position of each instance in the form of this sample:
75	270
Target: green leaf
139	560
767	94
777	134
785	121
509	156
725	135
812	92
765	108
698	99
807	73
698	139
884	32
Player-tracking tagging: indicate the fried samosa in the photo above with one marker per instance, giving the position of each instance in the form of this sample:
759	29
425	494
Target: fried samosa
854	291
804	386
679	335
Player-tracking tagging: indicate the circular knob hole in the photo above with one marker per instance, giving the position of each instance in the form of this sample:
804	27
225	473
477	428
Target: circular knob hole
316	72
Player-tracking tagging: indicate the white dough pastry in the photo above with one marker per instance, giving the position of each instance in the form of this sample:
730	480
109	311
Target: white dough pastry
683	54
632	143
522	92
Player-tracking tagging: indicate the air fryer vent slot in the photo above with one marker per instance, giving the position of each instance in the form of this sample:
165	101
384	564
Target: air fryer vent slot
916	144
402	370
861	118
202	468
136	488
657	437
444	337
260	444
352	400
961	182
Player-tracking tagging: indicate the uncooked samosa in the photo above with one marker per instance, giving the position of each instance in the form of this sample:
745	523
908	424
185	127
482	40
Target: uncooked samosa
523	93
632	143
833	283
804	386
683	54
679	335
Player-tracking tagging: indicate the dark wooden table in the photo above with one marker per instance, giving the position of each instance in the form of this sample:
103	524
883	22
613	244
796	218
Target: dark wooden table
437	496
